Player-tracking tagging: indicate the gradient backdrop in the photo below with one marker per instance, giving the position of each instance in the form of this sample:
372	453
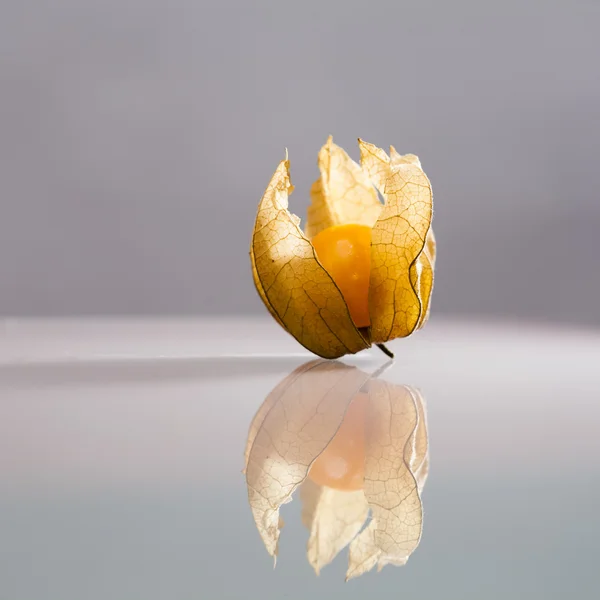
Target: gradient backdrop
136	137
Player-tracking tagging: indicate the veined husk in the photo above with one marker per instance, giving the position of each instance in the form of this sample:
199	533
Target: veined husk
297	289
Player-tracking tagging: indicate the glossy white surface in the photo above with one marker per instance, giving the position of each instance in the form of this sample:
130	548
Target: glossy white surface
121	449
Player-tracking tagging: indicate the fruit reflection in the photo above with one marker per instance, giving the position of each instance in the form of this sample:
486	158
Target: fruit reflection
341	465
355	447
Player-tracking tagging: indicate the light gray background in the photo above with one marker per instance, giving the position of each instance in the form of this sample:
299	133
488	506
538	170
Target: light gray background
136	137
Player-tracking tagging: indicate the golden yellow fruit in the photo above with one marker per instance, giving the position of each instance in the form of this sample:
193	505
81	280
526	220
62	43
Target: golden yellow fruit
302	278
345	252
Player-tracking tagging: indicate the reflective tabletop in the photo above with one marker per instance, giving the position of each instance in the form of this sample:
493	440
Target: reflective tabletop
177	459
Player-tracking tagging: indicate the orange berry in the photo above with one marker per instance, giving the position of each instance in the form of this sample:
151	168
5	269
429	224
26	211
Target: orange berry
345	252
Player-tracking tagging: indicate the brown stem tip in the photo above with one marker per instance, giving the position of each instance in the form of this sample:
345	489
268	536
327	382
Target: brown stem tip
387	352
